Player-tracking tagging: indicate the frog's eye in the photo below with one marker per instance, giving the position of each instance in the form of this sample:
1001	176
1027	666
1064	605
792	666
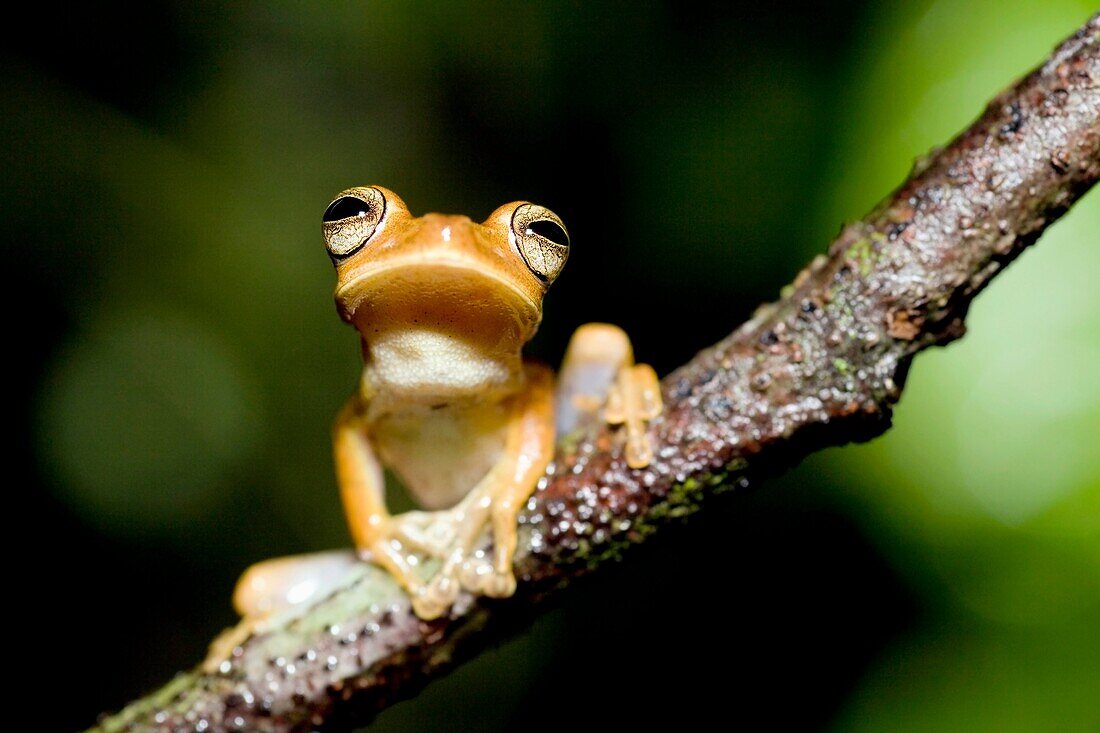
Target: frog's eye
541	239
349	221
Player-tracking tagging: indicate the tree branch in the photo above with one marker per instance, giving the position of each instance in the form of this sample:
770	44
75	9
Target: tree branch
822	366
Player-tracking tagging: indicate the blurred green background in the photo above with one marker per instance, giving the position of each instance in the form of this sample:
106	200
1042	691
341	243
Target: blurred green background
178	359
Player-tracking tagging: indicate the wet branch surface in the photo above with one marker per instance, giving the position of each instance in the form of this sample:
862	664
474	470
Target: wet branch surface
820	367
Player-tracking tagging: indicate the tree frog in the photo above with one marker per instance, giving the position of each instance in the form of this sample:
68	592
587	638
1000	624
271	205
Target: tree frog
443	307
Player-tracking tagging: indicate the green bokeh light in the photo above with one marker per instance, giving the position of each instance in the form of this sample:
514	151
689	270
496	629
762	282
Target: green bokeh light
146	420
985	490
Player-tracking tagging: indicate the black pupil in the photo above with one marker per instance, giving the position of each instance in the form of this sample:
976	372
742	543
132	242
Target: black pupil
345	208
549	230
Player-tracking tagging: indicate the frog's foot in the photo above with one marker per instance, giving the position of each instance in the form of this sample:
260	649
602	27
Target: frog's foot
465	564
480	575
270	590
436	596
431	534
632	401
400	555
488	572
461	527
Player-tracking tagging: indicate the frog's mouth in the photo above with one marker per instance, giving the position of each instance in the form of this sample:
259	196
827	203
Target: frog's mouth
456	296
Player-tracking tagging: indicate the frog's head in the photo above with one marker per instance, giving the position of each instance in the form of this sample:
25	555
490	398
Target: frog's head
463	291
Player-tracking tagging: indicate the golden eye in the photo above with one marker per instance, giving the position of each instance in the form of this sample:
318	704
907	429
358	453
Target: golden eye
350	221
542	240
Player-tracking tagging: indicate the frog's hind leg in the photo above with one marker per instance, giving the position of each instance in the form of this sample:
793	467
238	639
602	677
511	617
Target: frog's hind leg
271	589
281	582
599	370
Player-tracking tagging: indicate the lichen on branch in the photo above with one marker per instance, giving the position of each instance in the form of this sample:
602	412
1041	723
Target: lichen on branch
821	366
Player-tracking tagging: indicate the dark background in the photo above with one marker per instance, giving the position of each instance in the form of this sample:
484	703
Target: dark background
177	359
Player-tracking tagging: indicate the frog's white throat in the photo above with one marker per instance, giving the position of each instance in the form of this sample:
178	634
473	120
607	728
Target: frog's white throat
430	369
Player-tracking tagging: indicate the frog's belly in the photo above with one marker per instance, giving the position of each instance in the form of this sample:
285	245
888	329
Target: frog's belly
441	455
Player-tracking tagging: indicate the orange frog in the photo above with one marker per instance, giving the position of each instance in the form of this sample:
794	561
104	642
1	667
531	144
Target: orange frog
443	306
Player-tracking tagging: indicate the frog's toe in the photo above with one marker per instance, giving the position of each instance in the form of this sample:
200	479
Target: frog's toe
428	533
500	585
428	607
475	573
434	598
633	401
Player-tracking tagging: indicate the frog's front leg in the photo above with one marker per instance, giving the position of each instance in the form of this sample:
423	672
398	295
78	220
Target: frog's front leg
497	499
529	449
275	586
269	587
363	492
599	370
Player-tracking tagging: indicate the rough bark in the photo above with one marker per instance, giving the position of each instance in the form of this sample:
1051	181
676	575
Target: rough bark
820	367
